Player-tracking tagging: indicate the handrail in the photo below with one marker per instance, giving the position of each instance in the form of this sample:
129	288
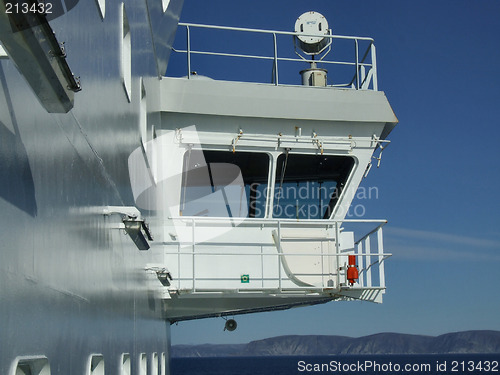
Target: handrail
361	78
370	233
264	31
284	278
249	220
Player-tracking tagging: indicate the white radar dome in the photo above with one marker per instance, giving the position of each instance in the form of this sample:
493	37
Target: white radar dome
314	27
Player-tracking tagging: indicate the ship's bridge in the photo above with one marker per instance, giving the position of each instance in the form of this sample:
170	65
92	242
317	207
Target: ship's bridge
247	185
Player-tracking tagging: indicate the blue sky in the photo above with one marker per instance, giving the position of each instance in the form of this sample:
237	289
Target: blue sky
439	179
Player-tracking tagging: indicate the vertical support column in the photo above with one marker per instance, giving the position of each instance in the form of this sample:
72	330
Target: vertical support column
361	264
374	68
280	255
179	276
362	77
357	63
337	255
275	60
368	263
325	254
262	265
381	268
193	259
188	48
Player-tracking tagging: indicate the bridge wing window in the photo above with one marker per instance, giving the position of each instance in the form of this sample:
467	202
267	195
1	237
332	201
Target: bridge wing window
309	186
224	184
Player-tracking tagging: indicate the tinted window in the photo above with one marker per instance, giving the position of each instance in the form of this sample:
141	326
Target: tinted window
224	184
309	186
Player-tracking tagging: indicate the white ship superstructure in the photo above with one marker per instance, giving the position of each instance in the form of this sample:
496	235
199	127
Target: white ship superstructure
249	184
131	200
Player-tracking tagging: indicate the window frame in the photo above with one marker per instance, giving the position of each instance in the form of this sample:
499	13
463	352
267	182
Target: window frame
267	188
334	209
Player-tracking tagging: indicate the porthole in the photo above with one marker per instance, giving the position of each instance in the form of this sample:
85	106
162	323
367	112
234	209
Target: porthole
31	366
95	365
154	364
163	364
143	364
125	364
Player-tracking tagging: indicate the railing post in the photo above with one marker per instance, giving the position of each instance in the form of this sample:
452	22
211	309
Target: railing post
361	263
193	239
188	49
262	265
368	263
357	63
381	267
324	275
179	265
280	254
337	252
374	68
362	78
275	60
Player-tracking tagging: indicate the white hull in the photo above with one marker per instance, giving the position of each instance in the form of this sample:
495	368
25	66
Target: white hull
72	286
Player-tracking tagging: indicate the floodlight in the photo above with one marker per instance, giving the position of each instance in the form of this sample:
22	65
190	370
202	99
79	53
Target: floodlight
312	29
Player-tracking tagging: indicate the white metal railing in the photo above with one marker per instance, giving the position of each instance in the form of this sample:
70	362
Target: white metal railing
362	60
195	269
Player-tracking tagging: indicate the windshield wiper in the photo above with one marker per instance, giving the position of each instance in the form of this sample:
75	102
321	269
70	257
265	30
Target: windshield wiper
282	177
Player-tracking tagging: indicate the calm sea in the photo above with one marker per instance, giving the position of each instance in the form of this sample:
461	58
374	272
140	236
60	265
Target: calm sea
348	364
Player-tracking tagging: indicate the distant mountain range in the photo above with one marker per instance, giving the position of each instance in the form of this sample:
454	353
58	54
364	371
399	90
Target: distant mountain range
382	343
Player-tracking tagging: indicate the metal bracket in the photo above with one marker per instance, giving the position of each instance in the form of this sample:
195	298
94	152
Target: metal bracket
135	226
236	139
379	143
75	85
318	142
58	52
139	231
162	273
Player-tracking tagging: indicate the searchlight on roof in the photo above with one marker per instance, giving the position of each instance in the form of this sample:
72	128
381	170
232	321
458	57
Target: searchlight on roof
312	39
